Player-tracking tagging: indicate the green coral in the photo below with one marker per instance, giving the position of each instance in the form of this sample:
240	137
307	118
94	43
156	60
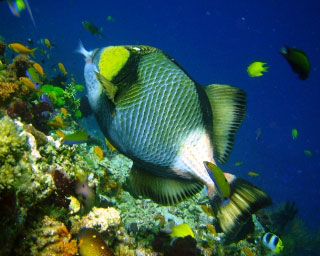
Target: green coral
56	94
13	146
72	102
3	71
78	114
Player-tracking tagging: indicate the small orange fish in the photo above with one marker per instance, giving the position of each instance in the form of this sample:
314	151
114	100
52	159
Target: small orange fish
38	68
253	174
64	111
98	152
20	48
60	134
47	43
212	229
110	146
57	122
26	81
247	251
62	68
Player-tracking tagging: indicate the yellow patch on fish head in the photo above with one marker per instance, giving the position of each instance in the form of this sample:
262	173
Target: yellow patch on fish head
112	60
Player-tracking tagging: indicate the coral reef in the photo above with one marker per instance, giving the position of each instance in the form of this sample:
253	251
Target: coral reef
7	89
101	218
3	71
31	113
18	67
19	176
50	191
56	94
48	237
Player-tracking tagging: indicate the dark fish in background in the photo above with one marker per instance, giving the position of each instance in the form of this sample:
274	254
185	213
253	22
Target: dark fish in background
298	61
150	110
92	28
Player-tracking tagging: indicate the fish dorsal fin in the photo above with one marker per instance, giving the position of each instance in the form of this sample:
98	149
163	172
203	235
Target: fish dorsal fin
109	87
228	105
163	190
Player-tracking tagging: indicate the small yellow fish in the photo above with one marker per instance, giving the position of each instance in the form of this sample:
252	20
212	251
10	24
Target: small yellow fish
20	48
208	210
253	174
62	68
47	43
57	122
219	179
110	146
308	153
98	152
294	133
255	69
247	251
181	231
60	134
238	163
26	81
38	68
212	229
64	111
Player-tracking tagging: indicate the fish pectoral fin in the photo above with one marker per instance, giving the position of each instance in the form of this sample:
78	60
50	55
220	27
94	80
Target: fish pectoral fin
110	88
245	199
163	190
228	105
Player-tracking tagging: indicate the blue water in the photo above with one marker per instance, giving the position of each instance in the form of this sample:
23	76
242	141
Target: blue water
214	41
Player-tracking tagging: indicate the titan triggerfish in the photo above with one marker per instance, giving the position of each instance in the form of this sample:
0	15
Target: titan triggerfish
152	111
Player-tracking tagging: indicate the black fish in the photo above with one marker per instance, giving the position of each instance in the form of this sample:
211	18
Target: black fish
298	61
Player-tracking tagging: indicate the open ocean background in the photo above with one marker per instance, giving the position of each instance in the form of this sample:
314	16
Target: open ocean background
214	41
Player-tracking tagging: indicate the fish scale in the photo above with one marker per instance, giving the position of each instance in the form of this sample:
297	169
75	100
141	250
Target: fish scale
155	134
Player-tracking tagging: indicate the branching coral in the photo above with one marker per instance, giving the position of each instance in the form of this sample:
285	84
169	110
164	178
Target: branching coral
7	89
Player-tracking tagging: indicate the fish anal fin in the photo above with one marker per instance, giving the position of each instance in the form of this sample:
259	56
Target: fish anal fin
162	190
109	87
228	105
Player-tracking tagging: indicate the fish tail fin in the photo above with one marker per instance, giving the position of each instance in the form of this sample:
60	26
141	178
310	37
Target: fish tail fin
83	51
245	199
228	107
32	52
